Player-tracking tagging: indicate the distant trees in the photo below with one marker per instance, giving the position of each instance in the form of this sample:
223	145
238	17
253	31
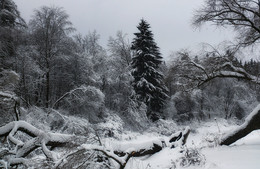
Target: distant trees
213	76
9	14
148	80
119	91
244	17
10	22
10	19
50	27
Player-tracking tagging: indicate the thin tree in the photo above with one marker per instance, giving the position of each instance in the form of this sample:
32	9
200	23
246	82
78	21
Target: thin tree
148	80
50	27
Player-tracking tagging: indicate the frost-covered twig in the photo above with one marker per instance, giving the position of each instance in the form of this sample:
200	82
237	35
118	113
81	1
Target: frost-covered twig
82	88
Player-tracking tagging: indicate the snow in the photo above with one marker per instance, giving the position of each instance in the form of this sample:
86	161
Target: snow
236	157
161	160
243	154
8	95
108	152
4	164
247	120
135	145
254	113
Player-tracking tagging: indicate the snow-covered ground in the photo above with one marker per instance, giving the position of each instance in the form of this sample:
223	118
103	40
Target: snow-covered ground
244	154
235	157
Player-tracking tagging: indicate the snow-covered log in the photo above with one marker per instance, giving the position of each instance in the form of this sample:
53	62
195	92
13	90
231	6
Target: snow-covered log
121	153
19	149
39	139
251	123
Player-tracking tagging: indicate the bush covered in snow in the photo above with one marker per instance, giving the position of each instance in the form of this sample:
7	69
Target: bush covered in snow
87	102
191	157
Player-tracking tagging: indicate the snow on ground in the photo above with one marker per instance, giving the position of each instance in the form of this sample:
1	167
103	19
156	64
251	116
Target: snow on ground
244	154
165	159
235	157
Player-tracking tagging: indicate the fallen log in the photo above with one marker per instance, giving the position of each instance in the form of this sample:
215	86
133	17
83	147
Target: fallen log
252	122
39	139
17	154
121	153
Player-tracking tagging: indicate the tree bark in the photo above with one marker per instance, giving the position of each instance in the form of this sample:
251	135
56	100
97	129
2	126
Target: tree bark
47	88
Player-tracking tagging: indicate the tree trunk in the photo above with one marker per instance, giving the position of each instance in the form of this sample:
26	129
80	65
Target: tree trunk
47	88
251	123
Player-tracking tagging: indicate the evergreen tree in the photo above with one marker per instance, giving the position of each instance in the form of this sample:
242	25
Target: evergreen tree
148	80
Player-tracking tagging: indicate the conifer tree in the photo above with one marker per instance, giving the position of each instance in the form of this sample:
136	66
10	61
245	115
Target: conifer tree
148	80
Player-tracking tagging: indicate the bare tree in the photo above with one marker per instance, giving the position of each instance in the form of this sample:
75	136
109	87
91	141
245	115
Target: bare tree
220	66
242	15
120	48
50	27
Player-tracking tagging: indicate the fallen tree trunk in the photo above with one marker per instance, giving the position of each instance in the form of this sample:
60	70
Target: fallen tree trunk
17	152
39	139
251	123
122	153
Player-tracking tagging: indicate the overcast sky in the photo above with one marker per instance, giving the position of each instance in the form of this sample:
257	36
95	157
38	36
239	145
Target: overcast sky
170	20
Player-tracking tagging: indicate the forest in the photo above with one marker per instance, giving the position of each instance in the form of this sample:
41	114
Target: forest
66	101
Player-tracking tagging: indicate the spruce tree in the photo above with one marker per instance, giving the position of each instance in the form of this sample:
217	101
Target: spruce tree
148	80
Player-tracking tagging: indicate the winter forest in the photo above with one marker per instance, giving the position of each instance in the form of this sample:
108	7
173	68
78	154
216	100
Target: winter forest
69	102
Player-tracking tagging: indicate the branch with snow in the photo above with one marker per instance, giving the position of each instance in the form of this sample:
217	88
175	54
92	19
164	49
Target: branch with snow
82	88
225	70
39	139
122	152
18	149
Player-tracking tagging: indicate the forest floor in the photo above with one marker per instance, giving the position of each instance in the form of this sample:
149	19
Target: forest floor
244	154
202	150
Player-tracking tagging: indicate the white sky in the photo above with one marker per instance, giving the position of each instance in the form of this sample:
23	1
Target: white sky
170	20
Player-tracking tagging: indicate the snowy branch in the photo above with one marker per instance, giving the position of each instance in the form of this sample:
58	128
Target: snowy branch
40	139
68	93
226	70
123	152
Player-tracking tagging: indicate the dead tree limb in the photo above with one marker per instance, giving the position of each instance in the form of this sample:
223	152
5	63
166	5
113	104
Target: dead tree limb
17	153
82	88
122	153
39	139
